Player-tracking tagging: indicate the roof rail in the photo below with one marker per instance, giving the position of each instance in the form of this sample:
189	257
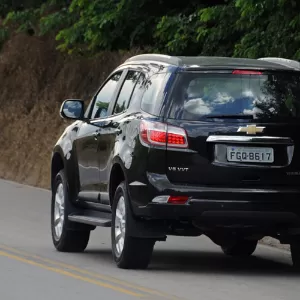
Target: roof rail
173	60
293	64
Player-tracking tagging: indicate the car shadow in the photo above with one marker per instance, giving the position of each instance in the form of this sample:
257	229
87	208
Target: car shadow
214	262
188	261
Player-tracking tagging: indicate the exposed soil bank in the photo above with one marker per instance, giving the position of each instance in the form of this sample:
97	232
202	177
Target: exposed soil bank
35	79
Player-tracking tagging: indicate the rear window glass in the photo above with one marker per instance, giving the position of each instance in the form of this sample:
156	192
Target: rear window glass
271	96
154	93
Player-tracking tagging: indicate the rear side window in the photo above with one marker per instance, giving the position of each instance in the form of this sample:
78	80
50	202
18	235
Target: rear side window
138	91
126	91
268	96
154	93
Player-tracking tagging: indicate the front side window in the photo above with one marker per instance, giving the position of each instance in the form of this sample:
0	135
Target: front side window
126	91
265	96
104	97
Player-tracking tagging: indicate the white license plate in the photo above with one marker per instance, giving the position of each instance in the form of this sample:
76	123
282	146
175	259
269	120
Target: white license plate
250	154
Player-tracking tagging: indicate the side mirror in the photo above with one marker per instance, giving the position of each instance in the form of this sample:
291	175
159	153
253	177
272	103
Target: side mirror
72	109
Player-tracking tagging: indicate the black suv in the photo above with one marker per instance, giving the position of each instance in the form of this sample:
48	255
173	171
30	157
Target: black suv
182	146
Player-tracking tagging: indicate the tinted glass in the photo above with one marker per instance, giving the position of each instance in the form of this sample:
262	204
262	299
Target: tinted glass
105	96
138	90
153	96
272	97
126	92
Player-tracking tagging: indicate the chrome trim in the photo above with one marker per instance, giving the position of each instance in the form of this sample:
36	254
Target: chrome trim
181	150
237	164
247	139
251	129
137	183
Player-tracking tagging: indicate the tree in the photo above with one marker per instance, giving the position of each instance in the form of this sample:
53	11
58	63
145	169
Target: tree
240	28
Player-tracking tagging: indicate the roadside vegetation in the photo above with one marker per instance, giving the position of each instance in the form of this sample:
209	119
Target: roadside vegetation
240	28
57	49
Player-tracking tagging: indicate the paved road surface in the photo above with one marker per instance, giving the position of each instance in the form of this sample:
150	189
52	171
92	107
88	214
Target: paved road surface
184	268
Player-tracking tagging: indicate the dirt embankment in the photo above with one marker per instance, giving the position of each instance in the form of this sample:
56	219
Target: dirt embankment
35	79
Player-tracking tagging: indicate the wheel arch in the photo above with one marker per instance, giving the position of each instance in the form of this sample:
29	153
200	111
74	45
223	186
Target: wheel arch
57	164
117	175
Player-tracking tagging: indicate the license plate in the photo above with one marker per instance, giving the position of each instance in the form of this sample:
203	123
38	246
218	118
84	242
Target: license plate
250	154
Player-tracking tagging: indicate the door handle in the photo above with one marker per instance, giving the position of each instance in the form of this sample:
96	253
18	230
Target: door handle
96	135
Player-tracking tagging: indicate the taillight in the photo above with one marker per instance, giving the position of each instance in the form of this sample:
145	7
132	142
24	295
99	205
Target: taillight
155	133
246	72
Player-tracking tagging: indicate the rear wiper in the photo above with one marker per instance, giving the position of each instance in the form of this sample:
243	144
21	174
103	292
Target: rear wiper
248	117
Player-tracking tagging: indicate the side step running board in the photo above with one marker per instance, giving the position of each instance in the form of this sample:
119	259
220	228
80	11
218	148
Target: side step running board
95	219
91	221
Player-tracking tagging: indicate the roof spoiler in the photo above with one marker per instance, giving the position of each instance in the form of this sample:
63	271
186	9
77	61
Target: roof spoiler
289	63
155	57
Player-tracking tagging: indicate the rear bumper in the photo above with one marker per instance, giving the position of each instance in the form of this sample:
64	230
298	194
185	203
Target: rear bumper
219	212
220	206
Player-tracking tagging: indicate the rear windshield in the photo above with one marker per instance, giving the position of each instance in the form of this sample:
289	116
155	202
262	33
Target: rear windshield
273	96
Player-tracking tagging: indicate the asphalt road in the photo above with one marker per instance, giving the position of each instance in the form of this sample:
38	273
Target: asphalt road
184	268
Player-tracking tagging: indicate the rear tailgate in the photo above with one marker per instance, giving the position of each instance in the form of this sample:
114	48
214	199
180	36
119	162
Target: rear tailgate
258	149
208	161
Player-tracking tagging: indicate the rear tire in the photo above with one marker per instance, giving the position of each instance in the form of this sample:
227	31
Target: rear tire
128	252
240	248
295	252
65	239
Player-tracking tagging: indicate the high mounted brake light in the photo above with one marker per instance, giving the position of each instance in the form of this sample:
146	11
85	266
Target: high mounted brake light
246	72
160	134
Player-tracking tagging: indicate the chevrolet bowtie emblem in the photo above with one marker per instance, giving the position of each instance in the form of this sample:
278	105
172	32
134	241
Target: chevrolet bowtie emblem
251	129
